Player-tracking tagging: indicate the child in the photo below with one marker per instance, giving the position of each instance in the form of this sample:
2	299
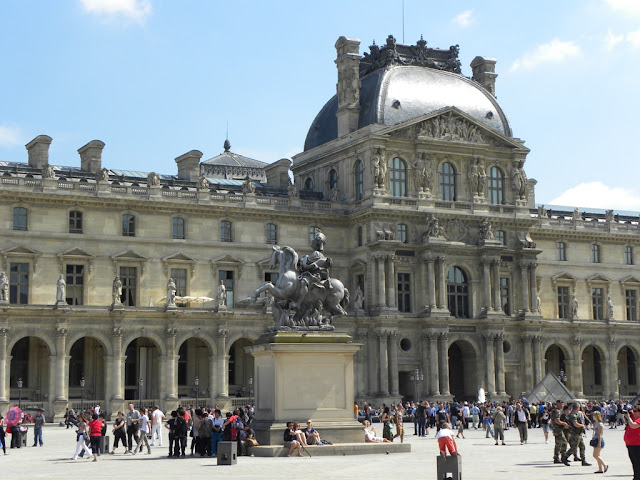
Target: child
446	440
460	429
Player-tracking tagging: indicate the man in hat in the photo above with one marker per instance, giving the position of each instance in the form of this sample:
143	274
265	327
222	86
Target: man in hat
559	427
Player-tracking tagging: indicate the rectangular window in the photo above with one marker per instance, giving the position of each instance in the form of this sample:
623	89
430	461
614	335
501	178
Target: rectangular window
401	233
359	236
19	218
129	277
597	303
312	233
177	229
595	253
404	292
504	295
631	302
225	231
75	222
227	279
19	283
628	255
271	233
179	276
128	225
500	236
564	308
75	284
561	248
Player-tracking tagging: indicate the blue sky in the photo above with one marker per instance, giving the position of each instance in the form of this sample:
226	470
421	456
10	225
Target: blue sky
154	79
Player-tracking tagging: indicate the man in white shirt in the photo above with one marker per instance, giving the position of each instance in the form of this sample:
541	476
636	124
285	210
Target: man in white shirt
157	417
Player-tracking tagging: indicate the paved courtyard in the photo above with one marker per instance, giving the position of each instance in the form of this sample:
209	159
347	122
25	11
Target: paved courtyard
481	460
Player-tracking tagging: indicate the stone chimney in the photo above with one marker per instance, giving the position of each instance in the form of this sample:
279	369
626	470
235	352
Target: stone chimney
91	156
278	173
348	87
189	165
484	72
38	149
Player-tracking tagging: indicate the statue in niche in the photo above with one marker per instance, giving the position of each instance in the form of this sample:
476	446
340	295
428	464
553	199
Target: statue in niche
4	288
171	293
424	173
304	296
335	195
153	179
61	290
574	307
221	298
485	232
116	291
379	169
102	175
292	191
433	227
538	304
609	308
203	183
358	299
478	177
47	171
519	180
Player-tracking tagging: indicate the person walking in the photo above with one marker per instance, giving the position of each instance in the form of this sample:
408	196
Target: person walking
81	438
559	427
499	422
157	417
119	433
521	419
144	430
597	442
133	419
38	423
632	438
95	434
575	436
3	435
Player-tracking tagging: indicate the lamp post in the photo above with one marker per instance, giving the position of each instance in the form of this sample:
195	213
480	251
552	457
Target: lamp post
416	376
197	384
140	385
20	393
619	383
82	384
250	386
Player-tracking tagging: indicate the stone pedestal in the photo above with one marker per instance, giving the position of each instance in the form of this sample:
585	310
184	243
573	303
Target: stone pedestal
301	376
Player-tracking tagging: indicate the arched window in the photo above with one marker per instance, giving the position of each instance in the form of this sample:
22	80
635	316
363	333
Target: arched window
308	184
271	233
496	186
458	293
398	178
359	180
225	231
401	233
333	179
447	182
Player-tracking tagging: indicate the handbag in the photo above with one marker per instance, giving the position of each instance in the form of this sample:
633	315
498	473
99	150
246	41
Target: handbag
594	442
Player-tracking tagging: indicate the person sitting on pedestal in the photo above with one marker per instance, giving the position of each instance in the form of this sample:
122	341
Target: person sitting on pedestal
311	434
290	440
370	434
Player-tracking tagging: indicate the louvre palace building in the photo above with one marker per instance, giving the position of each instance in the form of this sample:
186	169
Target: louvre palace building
458	280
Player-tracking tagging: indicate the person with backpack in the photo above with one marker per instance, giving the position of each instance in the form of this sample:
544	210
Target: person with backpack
205	431
171	426
180	435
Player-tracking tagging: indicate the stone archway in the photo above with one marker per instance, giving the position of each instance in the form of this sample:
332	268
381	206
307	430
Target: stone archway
87	361
30	364
627	372
240	369
555	361
593	371
463	371
142	363
194	362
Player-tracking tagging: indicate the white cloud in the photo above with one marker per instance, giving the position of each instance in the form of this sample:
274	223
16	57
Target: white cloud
599	195
611	40
553	52
133	9
625	7
634	38
464	19
10	136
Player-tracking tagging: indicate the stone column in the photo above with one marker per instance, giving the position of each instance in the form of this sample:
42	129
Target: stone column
500	364
212	378
222	386
490	364
443	355
486	280
171	366
537	359
384	362
533	290
3	365
431	283
393	363
524	289
425	283
61	337
118	365
612	369
382	293
426	386
442	283
497	302
392	299
372	348
527	361
575	373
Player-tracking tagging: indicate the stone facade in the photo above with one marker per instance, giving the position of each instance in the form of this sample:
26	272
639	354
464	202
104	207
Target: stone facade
463	277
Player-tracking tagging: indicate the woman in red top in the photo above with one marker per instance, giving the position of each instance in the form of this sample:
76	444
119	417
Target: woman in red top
95	428
632	439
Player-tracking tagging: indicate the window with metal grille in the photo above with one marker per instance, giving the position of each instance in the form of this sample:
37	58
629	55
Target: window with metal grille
75	221
404	292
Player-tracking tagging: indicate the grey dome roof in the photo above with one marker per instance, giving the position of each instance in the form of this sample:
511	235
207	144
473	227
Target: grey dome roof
400	93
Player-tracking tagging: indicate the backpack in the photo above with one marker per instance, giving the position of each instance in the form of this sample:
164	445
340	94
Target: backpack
181	427
206	428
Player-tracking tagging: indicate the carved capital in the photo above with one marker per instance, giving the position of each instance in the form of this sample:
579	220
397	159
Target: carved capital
222	333
4	331
444	336
613	341
489	337
117	331
61	331
500	337
576	340
171	332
